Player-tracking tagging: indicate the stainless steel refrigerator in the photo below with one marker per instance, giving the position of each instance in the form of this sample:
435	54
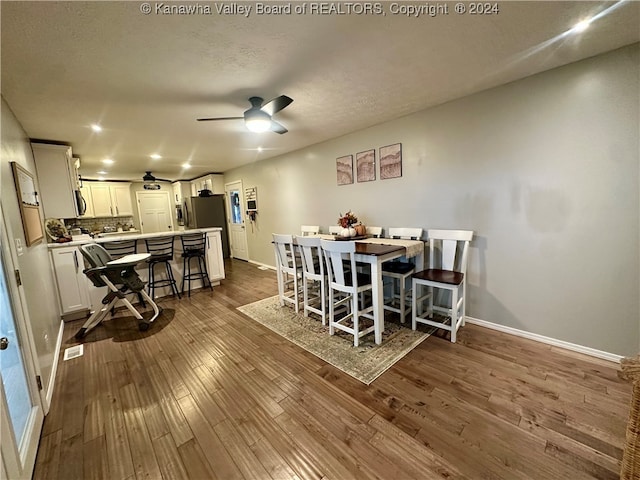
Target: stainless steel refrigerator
203	212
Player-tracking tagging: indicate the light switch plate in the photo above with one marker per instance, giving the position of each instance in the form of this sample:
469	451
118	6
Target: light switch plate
19	246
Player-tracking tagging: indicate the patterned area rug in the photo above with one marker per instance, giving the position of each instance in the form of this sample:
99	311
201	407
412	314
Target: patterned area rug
365	362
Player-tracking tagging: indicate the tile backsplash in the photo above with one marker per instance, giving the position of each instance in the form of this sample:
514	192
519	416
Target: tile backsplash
98	224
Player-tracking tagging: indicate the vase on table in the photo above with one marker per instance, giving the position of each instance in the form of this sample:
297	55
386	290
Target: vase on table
348	232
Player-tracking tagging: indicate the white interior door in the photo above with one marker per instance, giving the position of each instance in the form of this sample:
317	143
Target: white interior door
155	211
21	411
235	212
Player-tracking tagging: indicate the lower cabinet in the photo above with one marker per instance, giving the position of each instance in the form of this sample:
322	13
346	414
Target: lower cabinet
215	262
73	290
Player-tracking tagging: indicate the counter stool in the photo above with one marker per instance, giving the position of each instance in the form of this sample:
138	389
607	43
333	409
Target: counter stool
161	250
121	248
194	246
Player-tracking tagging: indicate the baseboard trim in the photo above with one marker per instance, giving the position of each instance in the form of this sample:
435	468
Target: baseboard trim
548	340
54	368
260	264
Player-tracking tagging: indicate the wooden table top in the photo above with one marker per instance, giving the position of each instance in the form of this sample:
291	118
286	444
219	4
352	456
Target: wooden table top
376	249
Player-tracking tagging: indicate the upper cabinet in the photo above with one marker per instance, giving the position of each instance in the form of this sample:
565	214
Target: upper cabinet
180	190
109	199
213	182
57	179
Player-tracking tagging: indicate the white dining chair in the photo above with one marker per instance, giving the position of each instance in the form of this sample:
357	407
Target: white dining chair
314	277
307	230
335	229
344	290
399	272
448	252
375	232
288	270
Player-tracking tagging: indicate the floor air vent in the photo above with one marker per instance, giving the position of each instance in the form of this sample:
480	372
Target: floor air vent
73	352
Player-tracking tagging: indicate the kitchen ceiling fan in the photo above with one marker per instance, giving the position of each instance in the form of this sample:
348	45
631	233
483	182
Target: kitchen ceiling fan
258	117
148	177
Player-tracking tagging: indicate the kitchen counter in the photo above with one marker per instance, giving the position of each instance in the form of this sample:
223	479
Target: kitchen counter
132	236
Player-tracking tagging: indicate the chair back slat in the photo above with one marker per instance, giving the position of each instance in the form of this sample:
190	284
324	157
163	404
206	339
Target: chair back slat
120	248
160	246
193	242
335	229
449	249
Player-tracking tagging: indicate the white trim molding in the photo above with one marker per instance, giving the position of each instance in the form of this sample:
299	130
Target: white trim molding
260	264
54	369
548	340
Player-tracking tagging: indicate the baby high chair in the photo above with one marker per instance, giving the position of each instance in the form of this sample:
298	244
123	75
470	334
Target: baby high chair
121	279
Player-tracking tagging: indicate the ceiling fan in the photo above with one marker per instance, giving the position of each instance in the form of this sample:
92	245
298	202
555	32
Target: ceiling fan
150	181
258	117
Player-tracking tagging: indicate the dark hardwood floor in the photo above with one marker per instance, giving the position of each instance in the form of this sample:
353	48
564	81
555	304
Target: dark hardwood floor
207	393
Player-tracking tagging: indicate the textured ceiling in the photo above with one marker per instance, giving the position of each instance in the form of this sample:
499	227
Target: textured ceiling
146	78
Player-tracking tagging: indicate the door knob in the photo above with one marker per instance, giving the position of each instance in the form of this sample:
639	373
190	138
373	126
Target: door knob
4	343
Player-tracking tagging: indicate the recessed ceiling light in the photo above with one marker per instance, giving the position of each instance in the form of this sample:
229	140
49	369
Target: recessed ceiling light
96	128
107	161
155	156
186	165
102	172
259	149
581	26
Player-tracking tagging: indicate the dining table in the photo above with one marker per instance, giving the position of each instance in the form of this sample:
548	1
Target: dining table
376	251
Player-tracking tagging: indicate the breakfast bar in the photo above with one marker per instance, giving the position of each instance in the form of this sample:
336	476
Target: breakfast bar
77	295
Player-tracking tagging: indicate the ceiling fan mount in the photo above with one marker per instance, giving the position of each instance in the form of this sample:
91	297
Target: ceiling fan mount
259	117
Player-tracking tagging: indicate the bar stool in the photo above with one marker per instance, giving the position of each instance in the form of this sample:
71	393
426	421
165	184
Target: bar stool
194	246
161	250
121	248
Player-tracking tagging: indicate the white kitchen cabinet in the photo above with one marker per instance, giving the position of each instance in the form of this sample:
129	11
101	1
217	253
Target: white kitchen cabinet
215	262
57	179
101	199
73	291
110	199
213	182
121	199
180	190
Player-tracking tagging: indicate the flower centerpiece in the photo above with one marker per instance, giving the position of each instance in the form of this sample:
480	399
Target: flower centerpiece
347	222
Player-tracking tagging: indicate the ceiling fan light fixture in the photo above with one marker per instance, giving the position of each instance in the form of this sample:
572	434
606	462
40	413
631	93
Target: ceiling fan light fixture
257	121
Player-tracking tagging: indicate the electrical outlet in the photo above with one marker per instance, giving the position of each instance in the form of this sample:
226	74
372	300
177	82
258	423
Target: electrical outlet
19	246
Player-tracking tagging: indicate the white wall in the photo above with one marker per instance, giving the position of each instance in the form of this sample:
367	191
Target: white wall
34	264
545	170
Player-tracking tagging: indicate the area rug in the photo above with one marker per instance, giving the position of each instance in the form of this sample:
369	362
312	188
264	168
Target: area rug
365	362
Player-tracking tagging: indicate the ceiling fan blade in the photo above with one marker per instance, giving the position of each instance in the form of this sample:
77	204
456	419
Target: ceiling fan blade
219	118
277	104
278	128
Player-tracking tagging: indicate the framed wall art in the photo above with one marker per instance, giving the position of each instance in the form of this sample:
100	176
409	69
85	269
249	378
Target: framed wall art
366	166
344	169
29	205
391	161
